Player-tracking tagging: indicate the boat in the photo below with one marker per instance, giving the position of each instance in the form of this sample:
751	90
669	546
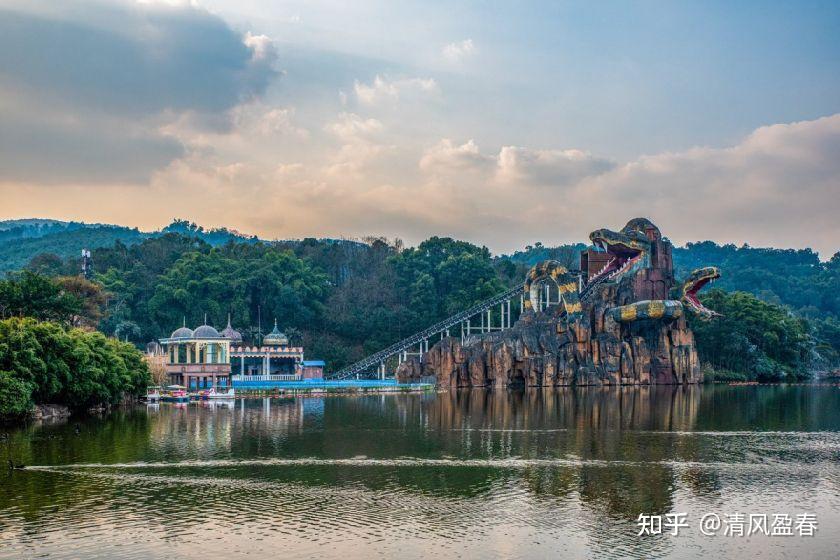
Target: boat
213	394
175	394
153	394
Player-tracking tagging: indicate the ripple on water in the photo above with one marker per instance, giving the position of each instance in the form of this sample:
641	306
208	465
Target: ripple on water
418	476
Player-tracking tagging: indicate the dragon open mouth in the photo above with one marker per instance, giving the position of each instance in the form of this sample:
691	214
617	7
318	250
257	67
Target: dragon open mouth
694	284
622	258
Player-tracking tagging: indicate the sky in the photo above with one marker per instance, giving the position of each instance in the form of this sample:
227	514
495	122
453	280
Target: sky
503	124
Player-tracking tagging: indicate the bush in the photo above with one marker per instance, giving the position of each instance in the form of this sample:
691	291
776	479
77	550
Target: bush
43	362
15	396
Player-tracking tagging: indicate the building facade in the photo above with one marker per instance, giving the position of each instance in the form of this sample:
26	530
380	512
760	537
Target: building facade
274	357
204	358
197	359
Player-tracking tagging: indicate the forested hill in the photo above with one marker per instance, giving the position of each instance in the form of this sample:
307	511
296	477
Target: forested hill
793	277
20	240
344	299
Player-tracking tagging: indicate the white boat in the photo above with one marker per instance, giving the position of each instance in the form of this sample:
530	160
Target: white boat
213	394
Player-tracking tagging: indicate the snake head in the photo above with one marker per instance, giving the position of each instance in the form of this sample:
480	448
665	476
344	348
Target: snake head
628	249
693	284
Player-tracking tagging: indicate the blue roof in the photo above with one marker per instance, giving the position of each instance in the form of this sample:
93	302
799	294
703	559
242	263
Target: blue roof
314	363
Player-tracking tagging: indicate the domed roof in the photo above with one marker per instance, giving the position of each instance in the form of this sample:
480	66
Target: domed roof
275	337
206	331
182	332
231	333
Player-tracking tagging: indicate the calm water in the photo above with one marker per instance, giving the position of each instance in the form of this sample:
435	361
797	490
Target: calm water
531	474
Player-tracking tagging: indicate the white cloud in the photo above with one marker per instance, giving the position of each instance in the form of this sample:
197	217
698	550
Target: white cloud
354	158
548	167
261	47
455	52
280	121
779	187
513	164
447	158
383	89
351	125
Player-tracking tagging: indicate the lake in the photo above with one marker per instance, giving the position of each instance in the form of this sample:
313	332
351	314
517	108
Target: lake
462	474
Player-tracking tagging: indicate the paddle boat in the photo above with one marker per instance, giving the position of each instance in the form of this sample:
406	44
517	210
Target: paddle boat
176	394
212	393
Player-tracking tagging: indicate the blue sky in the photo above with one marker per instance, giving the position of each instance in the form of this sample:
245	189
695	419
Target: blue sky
501	124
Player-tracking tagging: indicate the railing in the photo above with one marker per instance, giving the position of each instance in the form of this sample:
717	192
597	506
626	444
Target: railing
218	369
376	359
290	350
407	343
273	377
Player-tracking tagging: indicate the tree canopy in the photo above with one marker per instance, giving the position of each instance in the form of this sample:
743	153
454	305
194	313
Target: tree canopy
759	339
44	362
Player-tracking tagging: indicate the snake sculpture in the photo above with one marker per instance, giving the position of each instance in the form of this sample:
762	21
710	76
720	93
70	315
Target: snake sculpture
629	251
567	286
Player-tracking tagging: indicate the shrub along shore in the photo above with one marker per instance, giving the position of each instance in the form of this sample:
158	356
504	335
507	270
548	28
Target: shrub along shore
46	362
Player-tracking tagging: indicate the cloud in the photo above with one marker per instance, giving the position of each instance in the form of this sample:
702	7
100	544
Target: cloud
455	52
382	89
267	120
780	186
449	158
548	167
351	125
49	149
81	73
513	165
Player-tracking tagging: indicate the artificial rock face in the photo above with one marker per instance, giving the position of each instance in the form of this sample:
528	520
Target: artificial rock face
628	333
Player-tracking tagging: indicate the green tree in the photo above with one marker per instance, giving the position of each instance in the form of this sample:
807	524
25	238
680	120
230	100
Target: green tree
247	281
127	330
442	276
43	362
759	339
28	294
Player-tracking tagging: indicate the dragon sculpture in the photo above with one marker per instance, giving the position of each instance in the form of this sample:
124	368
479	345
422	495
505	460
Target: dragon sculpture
629	251
625	325
567	286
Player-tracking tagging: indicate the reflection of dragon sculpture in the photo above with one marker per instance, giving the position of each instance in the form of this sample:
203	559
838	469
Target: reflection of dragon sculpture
629	251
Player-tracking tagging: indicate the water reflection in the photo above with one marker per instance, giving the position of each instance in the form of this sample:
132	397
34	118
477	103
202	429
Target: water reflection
466	473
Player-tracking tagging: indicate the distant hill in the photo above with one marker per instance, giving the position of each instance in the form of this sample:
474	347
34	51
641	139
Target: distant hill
11	230
792	277
28	222
16	253
20	240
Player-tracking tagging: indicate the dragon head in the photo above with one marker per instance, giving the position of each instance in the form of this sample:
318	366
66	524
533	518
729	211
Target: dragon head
695	281
629	249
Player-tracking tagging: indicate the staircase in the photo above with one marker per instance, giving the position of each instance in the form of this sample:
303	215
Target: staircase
374	360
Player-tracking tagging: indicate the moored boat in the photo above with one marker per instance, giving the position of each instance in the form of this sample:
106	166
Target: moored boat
212	393
175	394
153	394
